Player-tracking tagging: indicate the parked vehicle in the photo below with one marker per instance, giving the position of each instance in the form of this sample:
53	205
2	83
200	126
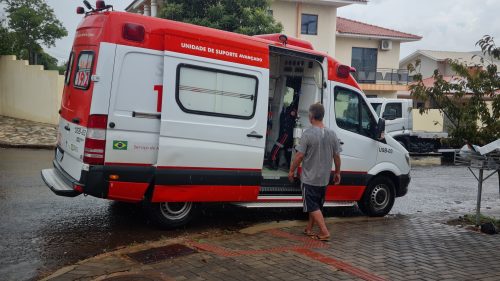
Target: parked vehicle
399	125
173	115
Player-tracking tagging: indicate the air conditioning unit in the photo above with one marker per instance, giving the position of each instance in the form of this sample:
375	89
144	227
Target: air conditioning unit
385	45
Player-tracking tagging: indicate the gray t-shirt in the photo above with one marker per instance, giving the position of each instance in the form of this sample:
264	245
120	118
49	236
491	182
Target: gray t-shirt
318	146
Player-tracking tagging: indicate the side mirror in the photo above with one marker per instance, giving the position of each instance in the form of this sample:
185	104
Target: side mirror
379	133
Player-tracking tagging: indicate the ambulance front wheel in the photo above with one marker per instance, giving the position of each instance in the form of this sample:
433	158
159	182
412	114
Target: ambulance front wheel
170	215
378	199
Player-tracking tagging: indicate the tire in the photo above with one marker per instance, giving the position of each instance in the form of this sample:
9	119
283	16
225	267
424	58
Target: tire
170	215
378	199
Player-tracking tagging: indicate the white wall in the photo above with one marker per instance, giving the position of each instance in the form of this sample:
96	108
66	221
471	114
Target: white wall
427	66
29	92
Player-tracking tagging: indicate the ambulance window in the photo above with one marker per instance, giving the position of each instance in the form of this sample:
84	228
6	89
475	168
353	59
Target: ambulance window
352	113
215	92
69	68
83	70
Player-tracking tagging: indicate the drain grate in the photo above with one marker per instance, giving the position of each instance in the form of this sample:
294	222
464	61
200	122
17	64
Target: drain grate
131	277
162	253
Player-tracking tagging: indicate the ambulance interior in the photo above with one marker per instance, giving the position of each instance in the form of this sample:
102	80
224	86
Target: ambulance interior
295	83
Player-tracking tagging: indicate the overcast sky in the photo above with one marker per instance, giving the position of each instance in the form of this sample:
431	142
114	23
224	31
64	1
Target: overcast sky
453	25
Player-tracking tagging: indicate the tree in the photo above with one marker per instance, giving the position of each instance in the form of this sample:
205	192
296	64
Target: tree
242	16
464	97
31	24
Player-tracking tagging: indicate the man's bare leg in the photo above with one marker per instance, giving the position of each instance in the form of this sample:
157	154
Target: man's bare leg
320	221
310	224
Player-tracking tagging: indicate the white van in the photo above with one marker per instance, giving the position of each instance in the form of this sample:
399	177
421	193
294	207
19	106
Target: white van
173	114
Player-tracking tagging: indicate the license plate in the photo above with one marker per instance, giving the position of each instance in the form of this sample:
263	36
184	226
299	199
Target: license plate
59	154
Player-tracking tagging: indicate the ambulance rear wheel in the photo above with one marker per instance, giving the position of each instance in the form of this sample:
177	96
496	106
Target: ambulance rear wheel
169	215
378	199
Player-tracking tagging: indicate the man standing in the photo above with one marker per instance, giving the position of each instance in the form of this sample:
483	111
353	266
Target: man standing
318	148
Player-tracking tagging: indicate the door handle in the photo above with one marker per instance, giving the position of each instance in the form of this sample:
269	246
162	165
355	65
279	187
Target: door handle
341	142
254	134
67	127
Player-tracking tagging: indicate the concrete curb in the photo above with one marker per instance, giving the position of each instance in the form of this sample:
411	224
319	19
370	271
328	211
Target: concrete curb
4	144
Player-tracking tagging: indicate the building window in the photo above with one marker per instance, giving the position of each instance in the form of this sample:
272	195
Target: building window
309	24
215	92
365	62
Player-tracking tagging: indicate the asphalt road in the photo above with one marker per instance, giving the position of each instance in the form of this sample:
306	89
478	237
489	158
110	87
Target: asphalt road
41	232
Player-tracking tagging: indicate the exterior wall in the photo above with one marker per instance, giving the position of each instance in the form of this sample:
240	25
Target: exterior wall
29	92
289	14
385	59
427	66
427	121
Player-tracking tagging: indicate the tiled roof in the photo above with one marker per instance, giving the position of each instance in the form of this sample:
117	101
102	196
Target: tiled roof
352	27
473	57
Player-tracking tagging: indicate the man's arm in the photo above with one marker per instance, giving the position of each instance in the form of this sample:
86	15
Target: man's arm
299	156
336	160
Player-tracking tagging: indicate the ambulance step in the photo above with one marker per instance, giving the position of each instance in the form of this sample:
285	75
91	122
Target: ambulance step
55	181
280	190
292	204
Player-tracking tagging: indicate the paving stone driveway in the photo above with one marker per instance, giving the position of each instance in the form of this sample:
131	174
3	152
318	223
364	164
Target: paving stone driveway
397	248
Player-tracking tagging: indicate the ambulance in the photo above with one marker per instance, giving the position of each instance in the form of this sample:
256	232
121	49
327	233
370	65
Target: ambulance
175	115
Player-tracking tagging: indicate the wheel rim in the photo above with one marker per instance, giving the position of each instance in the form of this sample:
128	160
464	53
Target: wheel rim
380	197
175	210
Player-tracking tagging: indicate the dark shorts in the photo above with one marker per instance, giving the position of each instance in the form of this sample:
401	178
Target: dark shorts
313	197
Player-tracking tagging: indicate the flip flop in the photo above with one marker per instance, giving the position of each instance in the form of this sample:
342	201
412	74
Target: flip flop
309	233
321	238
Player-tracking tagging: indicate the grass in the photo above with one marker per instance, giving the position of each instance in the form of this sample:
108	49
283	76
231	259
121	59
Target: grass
470	219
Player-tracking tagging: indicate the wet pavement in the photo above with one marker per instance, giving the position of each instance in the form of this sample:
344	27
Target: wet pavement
42	232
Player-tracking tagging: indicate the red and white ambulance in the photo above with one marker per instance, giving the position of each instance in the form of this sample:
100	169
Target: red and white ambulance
173	115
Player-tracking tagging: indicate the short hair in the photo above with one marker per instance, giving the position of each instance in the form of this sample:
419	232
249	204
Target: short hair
317	111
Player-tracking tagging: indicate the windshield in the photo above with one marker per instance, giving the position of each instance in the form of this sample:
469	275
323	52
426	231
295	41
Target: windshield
377	107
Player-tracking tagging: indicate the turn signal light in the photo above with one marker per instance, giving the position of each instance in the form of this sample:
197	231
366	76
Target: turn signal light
133	32
80	10
114	177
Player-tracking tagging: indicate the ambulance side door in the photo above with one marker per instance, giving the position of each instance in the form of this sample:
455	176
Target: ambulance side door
213	127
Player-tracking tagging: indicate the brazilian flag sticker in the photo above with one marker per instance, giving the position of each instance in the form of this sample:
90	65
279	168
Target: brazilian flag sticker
120	145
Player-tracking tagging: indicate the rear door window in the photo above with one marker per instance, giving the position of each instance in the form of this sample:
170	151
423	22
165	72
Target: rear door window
69	68
83	70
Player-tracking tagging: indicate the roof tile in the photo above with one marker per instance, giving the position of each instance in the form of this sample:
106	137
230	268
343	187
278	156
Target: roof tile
347	26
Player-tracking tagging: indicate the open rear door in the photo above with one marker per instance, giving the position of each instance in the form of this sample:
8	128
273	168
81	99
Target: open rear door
213	129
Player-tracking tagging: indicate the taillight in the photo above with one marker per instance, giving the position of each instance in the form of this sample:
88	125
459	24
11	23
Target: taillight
95	141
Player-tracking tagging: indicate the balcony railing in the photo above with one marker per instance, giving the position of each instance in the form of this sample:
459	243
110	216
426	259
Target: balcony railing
383	76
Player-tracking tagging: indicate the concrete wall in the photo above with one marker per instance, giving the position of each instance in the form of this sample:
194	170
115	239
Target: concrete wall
385	59
29	92
425	121
427	66
290	13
